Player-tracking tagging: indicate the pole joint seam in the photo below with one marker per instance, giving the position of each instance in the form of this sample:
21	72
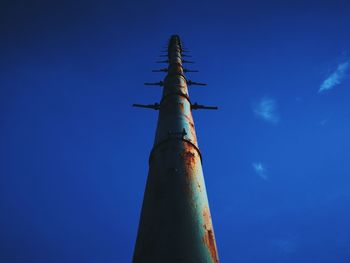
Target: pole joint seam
169	139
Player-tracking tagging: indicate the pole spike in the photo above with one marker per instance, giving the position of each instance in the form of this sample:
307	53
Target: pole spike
160	70
197	106
190	82
187	61
154	106
160	83
189	70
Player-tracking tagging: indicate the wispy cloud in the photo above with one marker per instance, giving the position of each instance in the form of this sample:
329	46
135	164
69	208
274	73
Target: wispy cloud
266	109
323	122
260	170
335	78
287	245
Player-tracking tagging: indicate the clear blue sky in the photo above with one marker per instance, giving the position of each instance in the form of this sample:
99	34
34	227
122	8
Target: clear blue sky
74	153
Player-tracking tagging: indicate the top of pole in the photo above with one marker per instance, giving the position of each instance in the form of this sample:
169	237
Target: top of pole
175	40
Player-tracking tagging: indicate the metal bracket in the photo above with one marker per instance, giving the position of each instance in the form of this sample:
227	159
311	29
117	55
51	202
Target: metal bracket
190	82
160	70
189	70
160	83
155	106
197	106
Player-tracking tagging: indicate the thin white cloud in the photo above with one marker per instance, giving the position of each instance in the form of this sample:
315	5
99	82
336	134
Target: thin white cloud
287	246
335	78
266	109
260	170
323	122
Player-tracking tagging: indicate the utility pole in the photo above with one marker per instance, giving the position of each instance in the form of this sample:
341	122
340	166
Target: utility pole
175	224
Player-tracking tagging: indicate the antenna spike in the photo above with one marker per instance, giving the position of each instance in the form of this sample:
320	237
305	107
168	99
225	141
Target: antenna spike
160	83
189	70
154	106
160	70
197	106
187	61
190	82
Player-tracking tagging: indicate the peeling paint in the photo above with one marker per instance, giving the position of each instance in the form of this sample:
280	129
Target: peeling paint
210	243
208	238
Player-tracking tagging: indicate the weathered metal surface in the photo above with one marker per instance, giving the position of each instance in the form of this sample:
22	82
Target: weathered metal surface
175	223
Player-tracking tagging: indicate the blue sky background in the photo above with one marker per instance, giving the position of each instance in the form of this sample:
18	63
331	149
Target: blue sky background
74	153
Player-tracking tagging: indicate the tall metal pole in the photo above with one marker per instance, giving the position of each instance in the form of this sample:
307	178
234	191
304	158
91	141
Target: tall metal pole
175	224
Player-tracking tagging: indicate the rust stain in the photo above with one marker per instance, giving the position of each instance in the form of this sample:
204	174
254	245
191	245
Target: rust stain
189	157
208	238
182	108
206	218
192	128
190	160
193	132
189	118
210	243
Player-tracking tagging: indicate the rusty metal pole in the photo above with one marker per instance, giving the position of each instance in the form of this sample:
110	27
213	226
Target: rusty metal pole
175	224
